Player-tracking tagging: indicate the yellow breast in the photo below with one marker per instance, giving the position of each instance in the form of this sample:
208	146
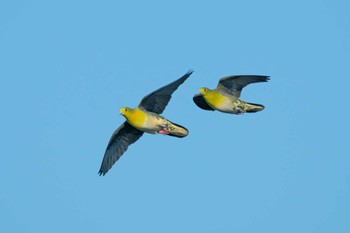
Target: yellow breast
136	117
215	99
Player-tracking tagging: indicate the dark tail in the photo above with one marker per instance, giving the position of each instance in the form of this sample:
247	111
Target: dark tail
250	107
176	130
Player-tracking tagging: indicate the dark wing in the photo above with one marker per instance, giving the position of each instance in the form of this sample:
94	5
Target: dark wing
200	102
235	84
124	136
159	99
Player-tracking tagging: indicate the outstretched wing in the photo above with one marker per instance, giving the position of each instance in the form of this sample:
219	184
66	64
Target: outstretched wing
124	136
200	102
234	84
159	99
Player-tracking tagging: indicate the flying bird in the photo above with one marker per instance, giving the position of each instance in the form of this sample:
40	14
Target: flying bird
225	97
144	118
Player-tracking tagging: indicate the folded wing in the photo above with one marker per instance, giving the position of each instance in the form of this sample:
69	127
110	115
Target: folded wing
200	102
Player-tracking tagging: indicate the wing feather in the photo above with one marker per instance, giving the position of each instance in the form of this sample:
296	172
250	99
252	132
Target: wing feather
234	84
159	99
121	138
200	102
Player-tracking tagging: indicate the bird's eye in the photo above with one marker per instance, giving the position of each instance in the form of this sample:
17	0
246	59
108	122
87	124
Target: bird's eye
126	110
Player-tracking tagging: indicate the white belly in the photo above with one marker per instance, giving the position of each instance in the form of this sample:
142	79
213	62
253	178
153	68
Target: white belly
154	122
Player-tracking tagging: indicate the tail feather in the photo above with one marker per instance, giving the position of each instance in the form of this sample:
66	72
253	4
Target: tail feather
176	130
254	107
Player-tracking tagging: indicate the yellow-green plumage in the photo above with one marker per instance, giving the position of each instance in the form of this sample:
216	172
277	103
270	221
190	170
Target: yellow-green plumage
225	97
215	99
144	118
135	117
152	123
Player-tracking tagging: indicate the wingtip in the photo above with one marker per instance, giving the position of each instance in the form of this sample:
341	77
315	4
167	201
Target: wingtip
190	71
263	78
266	78
101	173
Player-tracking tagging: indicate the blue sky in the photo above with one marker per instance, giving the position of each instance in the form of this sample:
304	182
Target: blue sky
68	66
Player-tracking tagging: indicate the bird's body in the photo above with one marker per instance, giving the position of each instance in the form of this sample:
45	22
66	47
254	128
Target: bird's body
145	118
152	123
227	103
225	98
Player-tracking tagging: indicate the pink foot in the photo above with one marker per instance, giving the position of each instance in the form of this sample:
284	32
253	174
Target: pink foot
163	131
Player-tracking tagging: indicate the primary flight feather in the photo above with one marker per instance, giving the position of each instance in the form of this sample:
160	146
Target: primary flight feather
144	118
226	96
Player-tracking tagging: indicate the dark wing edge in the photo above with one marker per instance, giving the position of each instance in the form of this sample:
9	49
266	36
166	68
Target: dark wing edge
236	83
121	138
200	102
159	99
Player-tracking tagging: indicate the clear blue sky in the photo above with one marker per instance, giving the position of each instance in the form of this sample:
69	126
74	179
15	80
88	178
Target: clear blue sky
68	66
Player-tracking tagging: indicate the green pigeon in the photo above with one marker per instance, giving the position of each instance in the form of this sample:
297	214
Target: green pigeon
144	118
226	96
